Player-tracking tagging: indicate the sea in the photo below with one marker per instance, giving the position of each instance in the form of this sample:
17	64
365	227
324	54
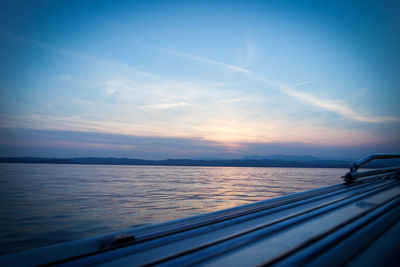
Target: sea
45	204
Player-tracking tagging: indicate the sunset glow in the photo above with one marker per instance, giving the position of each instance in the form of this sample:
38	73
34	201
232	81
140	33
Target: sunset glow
198	79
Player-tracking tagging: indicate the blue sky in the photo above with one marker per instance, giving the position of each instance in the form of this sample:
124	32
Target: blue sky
178	79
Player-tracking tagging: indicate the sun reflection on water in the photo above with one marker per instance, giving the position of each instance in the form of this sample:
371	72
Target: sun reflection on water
46	204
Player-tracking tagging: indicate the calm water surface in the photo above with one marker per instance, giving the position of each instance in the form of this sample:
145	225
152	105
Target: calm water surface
43	204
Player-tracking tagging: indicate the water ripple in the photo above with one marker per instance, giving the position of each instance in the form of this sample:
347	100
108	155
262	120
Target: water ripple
46	204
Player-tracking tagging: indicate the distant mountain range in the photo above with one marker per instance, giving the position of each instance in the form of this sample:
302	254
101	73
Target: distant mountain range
183	162
282	157
305	161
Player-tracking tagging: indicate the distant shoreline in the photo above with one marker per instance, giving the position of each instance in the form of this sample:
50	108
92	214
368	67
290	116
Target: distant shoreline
193	162
182	162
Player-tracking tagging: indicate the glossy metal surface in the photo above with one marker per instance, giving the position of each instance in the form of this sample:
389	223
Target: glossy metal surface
353	174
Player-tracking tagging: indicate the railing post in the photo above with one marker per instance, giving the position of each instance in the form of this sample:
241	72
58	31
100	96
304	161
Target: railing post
356	164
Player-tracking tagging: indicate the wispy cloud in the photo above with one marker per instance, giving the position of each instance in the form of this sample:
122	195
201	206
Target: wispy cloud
249	52
140	103
200	59
44	45
331	105
55	49
210	61
335	106
305	83
166	106
360	92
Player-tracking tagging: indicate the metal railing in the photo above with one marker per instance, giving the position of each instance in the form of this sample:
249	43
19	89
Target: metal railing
353	174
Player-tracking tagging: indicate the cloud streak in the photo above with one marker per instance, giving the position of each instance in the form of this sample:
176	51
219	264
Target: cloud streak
330	105
143	104
210	61
67	52
334	106
200	59
305	83
166	106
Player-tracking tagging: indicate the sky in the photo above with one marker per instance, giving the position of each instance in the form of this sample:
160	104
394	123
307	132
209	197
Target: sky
199	79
